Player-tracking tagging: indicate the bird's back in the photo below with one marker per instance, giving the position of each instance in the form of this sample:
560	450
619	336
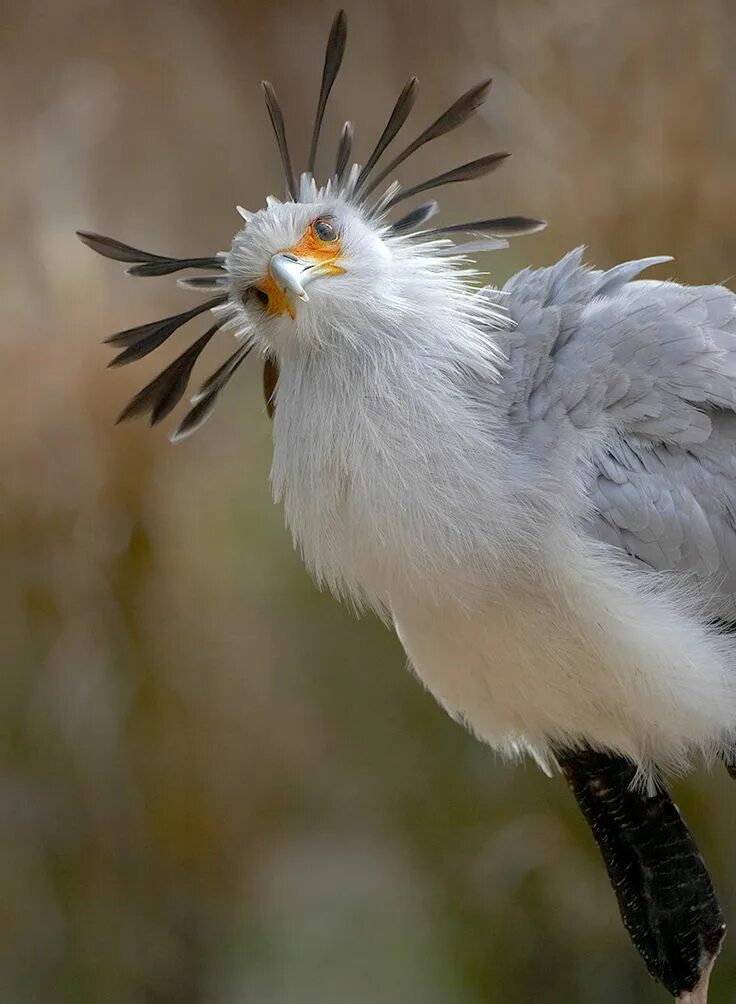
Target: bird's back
638	380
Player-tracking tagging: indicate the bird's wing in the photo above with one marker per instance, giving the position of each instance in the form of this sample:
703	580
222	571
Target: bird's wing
641	376
673	508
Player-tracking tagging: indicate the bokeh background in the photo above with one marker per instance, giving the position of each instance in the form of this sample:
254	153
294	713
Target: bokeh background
216	786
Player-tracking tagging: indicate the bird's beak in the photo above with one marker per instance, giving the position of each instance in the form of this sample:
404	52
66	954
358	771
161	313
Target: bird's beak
291	273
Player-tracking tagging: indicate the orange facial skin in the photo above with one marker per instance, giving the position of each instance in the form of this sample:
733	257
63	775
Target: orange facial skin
312	250
278	301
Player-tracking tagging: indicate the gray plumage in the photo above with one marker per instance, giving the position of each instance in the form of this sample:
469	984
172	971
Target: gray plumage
657	361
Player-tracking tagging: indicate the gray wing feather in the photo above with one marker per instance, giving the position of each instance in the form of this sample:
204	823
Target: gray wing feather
641	375
616	277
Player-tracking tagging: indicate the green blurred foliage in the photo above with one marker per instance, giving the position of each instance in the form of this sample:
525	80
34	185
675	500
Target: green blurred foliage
216	786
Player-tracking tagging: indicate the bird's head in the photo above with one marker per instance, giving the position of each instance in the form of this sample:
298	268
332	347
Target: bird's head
330	261
300	269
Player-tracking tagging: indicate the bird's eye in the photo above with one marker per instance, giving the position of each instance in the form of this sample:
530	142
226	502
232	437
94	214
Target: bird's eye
324	231
260	294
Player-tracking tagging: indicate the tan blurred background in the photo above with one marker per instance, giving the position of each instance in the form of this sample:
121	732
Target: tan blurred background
216	786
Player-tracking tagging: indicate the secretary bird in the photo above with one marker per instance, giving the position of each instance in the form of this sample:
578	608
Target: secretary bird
535	485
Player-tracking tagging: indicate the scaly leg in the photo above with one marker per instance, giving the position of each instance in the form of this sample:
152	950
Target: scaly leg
665	895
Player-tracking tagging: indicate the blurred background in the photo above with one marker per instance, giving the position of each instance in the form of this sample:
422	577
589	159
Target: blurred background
216	786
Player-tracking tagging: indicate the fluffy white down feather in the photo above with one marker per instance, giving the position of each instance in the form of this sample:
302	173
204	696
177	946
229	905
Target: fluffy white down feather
543	506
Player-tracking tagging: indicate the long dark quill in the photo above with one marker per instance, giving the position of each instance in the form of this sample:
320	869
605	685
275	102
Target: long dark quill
147	337
145	262
204	403
467	172
343	152
413	219
277	121
399	115
503	226
455	115
333	58
164	392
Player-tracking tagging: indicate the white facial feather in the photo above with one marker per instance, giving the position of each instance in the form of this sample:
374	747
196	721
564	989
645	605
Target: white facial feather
386	279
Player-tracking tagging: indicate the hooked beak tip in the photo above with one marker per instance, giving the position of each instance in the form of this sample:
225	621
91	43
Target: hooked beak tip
286	269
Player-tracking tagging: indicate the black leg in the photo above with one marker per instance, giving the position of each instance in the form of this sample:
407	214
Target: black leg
664	892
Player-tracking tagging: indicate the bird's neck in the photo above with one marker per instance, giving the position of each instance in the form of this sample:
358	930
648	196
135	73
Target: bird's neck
387	457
